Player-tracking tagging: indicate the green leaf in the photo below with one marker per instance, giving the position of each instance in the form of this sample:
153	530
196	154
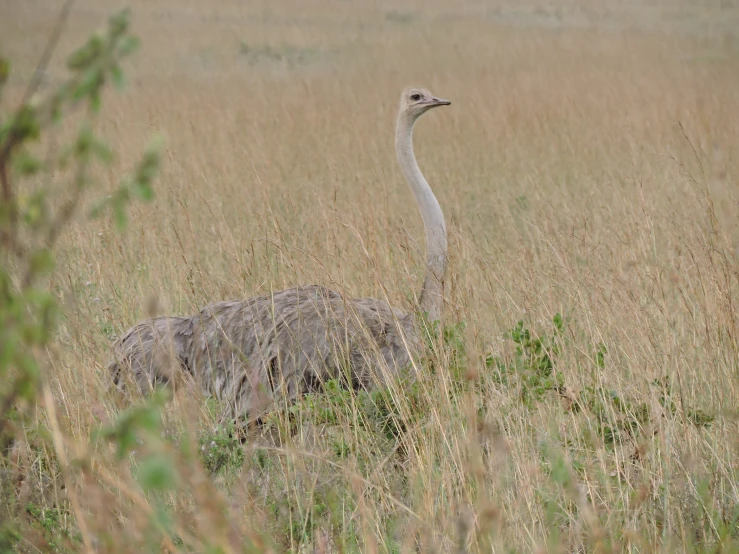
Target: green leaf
558	321
143	190
157	473
128	45
96	102
100	149
147	170
91	81
4	71
699	418
41	262
84	143
43	307
56	104
26	125
10	537
5	127
118	23
162	518
117	76
8	347
85	56
124	431
28	366
26	163
119	214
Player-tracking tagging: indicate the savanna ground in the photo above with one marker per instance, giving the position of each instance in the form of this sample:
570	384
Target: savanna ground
586	169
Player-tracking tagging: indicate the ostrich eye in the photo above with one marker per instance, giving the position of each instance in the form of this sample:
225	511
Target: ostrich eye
415	97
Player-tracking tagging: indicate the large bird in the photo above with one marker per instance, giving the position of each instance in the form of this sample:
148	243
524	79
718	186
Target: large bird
249	353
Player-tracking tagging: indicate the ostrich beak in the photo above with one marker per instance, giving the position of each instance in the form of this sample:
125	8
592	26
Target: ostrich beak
438	102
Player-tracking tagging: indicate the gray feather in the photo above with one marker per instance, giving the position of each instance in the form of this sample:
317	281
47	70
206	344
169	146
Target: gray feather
250	353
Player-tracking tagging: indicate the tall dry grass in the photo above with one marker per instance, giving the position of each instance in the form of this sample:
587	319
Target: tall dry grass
586	167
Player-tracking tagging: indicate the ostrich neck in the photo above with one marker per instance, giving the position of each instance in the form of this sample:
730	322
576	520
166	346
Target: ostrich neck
432	293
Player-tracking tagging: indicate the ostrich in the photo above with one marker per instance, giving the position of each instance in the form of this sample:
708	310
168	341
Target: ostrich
248	353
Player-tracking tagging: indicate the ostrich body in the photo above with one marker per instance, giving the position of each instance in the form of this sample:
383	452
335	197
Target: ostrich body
249	352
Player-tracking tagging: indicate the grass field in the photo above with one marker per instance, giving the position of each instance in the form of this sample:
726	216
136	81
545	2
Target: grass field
586	168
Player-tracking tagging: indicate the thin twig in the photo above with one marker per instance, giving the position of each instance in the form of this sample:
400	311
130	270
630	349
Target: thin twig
37	77
8	235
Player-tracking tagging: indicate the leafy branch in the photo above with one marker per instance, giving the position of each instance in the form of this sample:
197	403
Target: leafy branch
31	220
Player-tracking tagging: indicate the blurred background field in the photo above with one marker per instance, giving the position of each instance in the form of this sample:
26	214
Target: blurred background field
586	167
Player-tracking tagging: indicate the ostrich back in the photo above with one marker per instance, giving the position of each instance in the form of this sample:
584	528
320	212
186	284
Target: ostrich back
252	352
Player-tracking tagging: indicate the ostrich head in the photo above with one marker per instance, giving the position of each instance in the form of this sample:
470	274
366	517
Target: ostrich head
415	101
